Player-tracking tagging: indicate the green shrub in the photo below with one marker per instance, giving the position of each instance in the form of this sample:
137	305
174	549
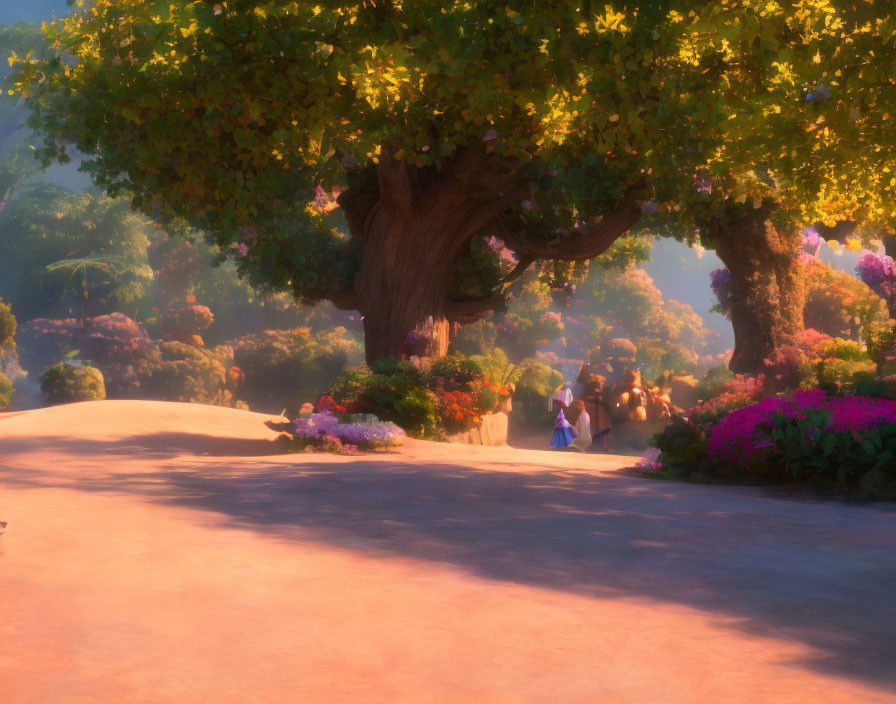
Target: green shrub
182	372
7	325
713	382
478	338
449	396
395	392
70	383
8	357
683	448
6	391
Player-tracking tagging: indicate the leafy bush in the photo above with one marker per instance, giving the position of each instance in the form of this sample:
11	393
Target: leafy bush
655	356
280	365
839	304
843	366
682	446
182	372
395	392
69	383
713	382
478	338
7	391
8	357
451	395
7	325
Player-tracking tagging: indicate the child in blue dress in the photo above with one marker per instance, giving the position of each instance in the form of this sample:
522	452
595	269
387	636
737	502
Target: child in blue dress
563	434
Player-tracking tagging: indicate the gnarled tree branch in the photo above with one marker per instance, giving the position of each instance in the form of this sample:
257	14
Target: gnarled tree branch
524	262
470	311
574	244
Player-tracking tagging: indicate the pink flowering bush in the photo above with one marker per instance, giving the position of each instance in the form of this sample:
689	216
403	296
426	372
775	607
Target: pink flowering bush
835	440
187	323
846	443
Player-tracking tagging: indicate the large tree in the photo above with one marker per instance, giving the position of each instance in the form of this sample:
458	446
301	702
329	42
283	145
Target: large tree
357	152
431	124
806	94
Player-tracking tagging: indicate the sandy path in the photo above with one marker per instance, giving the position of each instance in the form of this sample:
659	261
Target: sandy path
161	553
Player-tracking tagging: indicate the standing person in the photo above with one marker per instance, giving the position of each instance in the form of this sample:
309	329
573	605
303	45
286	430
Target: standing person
563	434
583	425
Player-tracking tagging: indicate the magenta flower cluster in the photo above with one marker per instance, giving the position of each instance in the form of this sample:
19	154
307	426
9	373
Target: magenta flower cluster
745	432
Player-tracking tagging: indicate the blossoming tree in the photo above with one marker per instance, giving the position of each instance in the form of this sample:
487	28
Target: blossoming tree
357	152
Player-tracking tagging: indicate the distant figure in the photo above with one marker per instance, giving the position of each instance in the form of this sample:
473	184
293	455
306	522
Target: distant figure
564	433
583	425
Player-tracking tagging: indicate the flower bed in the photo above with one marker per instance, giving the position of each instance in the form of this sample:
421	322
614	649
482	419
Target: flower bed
326	431
847	443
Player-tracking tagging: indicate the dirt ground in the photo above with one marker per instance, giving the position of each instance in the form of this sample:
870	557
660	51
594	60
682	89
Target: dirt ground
163	552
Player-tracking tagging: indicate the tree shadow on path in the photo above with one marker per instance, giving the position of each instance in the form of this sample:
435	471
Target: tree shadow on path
822	573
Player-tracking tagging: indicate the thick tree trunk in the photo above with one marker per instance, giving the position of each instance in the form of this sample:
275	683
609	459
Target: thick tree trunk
767	285
402	288
411	230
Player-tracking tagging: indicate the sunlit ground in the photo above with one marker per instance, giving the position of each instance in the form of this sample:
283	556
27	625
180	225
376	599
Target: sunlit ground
170	549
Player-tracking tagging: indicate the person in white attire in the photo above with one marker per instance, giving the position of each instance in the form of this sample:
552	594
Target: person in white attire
583	426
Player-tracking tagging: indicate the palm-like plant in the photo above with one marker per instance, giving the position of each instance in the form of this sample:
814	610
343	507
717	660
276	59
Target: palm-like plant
78	267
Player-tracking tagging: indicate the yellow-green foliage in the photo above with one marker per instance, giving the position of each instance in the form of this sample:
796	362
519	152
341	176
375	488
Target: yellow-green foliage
67	383
7	325
843	365
182	372
6	391
7	353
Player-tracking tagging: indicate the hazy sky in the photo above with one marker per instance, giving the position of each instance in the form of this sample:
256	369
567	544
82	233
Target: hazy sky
32	10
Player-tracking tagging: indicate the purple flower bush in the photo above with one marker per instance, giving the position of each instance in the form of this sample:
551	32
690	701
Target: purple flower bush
875	268
722	283
366	432
879	272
